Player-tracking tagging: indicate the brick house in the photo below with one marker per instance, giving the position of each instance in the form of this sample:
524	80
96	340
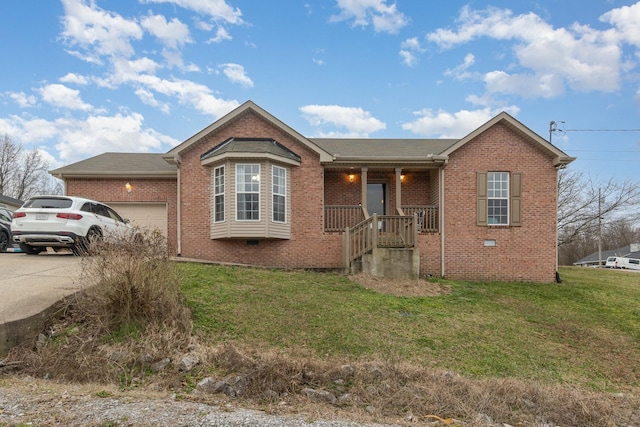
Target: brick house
249	189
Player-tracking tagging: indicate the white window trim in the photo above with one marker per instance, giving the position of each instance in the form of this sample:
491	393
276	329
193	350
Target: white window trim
259	178
274	193
507	197
217	194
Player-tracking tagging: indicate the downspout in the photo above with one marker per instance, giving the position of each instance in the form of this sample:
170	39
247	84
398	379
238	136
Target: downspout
178	211
441	202
557	232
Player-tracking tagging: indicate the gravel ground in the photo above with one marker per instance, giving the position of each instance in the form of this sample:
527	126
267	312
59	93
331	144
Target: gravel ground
30	402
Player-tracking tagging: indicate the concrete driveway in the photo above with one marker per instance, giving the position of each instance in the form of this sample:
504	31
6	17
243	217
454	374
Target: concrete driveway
29	286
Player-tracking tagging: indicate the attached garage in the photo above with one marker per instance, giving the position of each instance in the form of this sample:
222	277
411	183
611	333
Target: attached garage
144	215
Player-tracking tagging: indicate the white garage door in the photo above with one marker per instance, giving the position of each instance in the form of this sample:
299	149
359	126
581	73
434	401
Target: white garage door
146	215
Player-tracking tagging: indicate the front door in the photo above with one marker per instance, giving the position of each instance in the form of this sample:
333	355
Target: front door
376	198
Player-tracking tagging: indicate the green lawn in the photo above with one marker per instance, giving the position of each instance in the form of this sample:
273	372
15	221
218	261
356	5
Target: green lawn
585	331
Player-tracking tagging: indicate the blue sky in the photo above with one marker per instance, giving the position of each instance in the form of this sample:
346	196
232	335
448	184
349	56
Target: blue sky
81	77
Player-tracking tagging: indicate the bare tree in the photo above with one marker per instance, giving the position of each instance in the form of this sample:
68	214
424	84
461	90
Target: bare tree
9	159
587	207
23	173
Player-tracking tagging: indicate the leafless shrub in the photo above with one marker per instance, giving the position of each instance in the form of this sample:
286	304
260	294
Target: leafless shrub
387	390
129	314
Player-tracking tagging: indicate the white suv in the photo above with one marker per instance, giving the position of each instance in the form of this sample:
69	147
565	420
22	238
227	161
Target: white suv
63	221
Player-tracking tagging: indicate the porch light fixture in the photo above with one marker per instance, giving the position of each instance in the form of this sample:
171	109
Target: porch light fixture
351	177
128	187
402	178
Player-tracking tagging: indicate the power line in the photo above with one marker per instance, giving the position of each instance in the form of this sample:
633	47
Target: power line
596	130
600	151
553	128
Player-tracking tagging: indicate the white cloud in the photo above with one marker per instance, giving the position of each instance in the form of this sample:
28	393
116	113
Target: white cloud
626	19
61	96
529	86
218	10
384	18
172	34
22	99
98	31
147	98
409	48
357	122
408	58
221	35
82	138
460	72
74	79
412	44
140	74
237	74
444	124
580	57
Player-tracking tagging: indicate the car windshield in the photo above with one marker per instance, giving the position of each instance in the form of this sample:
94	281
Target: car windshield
49	203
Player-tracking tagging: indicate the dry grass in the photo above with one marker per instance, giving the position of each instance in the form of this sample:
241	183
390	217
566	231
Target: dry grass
133	316
129	313
401	288
391	391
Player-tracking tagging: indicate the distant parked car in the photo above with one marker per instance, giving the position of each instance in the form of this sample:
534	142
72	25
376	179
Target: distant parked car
6	240
613	262
64	221
623	262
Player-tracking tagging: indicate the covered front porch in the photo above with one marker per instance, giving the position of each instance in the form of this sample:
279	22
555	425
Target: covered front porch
353	195
381	211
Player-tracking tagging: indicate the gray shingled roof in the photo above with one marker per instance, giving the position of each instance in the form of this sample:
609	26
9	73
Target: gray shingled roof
629	251
129	164
6	200
251	145
383	148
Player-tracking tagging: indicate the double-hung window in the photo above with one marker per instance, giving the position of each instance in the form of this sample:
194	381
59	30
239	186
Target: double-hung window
218	193
279	192
499	200
248	192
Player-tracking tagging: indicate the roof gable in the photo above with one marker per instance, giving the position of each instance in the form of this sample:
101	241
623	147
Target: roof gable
248	105
560	158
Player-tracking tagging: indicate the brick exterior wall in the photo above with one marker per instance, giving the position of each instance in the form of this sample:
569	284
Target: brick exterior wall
144	190
339	191
524	253
309	246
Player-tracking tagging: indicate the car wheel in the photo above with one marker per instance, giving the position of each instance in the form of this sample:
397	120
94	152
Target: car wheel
31	250
4	241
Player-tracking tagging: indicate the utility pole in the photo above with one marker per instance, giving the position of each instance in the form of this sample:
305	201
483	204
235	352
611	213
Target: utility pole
599	228
553	126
